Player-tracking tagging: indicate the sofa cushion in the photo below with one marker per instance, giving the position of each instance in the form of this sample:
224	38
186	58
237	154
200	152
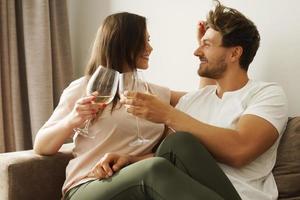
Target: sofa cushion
25	175
287	167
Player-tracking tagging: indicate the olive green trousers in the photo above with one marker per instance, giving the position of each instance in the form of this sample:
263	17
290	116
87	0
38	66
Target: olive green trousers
181	170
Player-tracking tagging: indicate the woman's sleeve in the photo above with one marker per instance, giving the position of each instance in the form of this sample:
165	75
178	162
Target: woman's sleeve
67	101
163	93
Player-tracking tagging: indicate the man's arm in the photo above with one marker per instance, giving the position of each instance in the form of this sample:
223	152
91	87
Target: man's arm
253	136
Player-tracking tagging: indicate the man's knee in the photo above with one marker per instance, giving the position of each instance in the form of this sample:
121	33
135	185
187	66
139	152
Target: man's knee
180	139
180	143
156	167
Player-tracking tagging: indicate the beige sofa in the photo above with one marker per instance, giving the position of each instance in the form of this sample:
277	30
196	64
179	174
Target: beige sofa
27	176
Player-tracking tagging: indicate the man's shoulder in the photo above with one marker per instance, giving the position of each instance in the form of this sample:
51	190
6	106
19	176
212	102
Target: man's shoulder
265	88
264	84
268	101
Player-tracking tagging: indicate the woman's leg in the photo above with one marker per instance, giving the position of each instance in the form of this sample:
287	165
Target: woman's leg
153	178
187	153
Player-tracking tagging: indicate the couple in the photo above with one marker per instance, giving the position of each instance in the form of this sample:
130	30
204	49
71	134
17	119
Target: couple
226	136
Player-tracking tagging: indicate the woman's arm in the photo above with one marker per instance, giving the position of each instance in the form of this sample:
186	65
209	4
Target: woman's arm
206	81
113	162
175	96
49	139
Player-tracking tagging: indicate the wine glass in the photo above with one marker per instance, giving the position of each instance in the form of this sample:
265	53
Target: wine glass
134	81
103	85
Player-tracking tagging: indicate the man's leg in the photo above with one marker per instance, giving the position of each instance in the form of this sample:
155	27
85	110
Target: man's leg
187	153
153	178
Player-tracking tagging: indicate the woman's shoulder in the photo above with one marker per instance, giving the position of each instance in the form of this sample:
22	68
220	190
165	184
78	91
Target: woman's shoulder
75	89
200	92
76	85
163	92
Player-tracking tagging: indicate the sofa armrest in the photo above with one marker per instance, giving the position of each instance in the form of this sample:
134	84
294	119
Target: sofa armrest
26	175
287	168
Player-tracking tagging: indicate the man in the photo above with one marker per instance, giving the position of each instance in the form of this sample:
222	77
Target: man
238	120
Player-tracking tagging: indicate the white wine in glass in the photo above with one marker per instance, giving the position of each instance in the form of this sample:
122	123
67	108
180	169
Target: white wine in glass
103	99
103	85
134	81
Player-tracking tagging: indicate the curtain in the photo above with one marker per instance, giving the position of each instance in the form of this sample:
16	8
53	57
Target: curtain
35	66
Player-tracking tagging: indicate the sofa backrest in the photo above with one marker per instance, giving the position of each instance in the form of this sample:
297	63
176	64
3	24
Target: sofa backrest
287	167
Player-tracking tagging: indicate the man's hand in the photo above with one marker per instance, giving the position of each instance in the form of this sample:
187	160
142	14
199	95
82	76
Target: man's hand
109	164
201	29
147	106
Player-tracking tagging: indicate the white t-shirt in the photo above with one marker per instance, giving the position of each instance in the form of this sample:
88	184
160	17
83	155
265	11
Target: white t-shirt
267	100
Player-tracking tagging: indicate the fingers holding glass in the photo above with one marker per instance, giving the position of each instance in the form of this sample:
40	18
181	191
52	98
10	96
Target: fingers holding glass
133	82
102	85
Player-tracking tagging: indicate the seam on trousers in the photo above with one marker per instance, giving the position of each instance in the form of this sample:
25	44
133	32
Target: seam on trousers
146	193
70	193
187	171
176	158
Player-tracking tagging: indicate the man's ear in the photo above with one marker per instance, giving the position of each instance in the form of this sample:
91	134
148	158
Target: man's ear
236	53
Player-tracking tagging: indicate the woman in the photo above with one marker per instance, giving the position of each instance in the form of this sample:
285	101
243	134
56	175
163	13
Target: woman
122	43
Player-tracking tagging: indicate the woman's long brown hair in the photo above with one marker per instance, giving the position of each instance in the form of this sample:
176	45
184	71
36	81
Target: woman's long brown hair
118	43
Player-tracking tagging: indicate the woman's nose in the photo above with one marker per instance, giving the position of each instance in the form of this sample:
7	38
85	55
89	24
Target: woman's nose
149	48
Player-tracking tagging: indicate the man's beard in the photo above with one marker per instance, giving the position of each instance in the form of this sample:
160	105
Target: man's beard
214	72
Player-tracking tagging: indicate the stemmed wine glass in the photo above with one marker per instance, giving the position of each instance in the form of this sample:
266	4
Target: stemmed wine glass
103	83
134	81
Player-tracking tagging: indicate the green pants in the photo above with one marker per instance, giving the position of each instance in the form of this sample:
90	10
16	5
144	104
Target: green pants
182	169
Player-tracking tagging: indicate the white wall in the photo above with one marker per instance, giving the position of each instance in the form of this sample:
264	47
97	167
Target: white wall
172	23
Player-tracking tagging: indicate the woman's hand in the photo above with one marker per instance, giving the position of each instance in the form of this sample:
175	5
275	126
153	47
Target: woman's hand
84	109
147	106
109	164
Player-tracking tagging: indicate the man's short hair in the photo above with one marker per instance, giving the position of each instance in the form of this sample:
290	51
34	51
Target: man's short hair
236	30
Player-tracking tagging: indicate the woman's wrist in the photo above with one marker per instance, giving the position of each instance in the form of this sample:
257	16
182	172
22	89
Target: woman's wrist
131	159
68	125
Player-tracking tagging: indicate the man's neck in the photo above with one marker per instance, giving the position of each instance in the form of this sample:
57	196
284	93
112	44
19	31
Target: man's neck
231	82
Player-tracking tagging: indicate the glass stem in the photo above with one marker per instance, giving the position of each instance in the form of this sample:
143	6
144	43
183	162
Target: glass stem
87	125
138	128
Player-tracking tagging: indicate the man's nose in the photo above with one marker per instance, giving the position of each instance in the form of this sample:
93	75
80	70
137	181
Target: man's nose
198	51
